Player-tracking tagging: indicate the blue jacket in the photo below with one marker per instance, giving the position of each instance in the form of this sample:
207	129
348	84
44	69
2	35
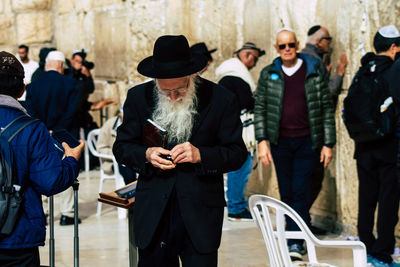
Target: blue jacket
40	170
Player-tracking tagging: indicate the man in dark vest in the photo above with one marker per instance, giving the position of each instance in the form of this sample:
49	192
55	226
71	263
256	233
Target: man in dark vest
180	194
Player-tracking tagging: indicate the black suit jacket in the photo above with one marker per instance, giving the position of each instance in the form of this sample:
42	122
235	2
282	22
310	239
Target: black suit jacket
217	133
52	98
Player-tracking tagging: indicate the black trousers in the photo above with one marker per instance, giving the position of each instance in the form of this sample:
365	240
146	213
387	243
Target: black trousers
171	241
294	161
316	180
26	257
377	185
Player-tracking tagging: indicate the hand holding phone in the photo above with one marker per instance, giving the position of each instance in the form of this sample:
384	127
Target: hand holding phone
64	136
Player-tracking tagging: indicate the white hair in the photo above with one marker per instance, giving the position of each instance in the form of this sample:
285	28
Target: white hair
286	28
178	116
316	37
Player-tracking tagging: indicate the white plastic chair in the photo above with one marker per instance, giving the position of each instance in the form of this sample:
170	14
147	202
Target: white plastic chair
276	240
119	180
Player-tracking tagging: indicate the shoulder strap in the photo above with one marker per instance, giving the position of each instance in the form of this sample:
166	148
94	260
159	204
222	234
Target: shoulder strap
15	126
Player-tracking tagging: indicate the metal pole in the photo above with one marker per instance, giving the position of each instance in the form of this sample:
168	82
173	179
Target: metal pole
75	186
51	221
133	253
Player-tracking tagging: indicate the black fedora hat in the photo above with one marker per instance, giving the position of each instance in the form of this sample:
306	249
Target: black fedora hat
201	49
171	58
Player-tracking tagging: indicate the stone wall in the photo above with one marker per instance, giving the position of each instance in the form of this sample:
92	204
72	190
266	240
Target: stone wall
119	33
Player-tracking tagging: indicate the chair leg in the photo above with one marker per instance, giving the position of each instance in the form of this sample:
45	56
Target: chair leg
86	151
99	204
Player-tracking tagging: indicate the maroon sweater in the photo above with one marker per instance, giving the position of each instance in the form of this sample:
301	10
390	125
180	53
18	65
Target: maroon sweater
294	119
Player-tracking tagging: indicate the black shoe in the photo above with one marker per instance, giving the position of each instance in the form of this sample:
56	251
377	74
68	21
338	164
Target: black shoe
244	216
317	231
65	220
296	252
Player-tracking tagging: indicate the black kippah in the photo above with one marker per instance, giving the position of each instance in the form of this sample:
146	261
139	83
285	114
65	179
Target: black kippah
313	30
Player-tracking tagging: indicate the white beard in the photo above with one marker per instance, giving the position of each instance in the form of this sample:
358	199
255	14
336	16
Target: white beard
178	116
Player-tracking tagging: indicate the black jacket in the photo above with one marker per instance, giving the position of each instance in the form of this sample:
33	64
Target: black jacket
217	133
52	98
386	149
241	89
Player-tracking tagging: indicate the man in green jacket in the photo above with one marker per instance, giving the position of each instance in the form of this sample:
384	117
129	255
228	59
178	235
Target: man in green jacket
294	124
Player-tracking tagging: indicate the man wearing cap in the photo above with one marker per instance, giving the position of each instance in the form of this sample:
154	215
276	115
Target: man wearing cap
179	201
44	51
234	75
40	169
294	124
52	98
318	46
376	162
202	50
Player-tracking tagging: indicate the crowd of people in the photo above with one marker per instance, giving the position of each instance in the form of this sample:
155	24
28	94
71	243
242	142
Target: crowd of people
202	130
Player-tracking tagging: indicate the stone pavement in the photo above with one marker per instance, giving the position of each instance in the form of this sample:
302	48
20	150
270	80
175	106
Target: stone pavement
104	239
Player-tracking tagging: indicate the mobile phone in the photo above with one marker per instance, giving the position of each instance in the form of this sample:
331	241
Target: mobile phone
167	157
64	136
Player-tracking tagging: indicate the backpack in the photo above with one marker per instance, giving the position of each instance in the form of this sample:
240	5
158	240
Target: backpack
10	192
369	112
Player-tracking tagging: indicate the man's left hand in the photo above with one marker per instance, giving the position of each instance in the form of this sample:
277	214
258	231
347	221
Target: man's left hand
326	155
185	152
342	64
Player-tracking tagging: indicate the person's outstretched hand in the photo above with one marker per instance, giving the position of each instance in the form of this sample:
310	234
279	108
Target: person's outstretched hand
73	152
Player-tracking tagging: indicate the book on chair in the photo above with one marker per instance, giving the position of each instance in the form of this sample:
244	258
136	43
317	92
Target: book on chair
123	197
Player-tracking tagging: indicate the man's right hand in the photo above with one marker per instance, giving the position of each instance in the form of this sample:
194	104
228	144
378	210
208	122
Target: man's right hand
264	153
85	71
153	155
73	152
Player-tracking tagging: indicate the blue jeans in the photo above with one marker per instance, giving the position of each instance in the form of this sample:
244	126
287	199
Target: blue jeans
237	181
294	161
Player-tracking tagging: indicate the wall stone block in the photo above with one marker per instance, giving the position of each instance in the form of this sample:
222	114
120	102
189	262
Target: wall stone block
111	31
7	32
106	3
30	5
34	27
66	6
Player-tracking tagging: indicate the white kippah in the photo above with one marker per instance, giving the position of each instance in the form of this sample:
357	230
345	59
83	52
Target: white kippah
389	31
55	55
286	28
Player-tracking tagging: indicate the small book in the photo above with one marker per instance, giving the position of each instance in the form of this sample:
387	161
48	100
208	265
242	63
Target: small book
153	135
123	199
127	191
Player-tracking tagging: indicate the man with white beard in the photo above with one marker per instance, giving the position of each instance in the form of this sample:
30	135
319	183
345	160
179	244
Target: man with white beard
179	201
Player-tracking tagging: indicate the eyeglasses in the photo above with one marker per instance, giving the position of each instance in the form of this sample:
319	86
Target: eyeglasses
328	38
283	46
178	91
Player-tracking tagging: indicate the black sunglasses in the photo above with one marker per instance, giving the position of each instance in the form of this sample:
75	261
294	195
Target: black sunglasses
283	46
328	38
